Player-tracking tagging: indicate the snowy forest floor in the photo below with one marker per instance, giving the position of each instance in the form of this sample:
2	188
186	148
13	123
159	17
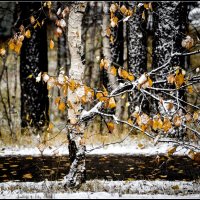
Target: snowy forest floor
102	190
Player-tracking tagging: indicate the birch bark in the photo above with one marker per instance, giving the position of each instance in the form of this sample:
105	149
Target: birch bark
77	173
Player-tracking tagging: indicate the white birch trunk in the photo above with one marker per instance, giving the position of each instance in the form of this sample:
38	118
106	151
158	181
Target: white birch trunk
76	174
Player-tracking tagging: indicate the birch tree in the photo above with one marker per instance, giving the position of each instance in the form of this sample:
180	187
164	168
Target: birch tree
77	149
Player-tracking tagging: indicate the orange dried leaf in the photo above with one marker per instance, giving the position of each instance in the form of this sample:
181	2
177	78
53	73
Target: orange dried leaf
157	124
171	150
130	121
27	176
131	77
32	19
99	95
28	34
111	126
65	90
113	71
101	64
150	82
2	51
123	9
195	116
146	5
177	121
50	127
11	44
171	79
111	103
179	80
57	100
51	45
113	8
166	124
62	106
83	99
190	89
191	154
170	106
72	85
108	31
188	117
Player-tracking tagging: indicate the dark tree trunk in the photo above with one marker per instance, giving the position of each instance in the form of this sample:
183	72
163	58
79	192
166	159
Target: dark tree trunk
33	60
137	54
117	47
169	30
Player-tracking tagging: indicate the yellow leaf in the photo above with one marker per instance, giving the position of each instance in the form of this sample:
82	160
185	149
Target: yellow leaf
32	19
28	34
112	40
171	79
130	121
110	126
113	70
105	92
2	51
171	150
195	116
62	106
113	8
99	95
179	80
157	123
30	76
114	21
108	31
170	106
123	73
111	103
50	127
101	64
150	82
72	85
27	176
11	44
57	100
140	145
65	89
139	120
190	89
83	99
188	117
175	187
191	154
123	9
166	124
49	4
18	47
51	44
131	77
106	64
177	120
143	127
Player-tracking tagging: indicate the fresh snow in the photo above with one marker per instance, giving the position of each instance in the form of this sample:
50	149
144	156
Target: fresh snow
98	189
132	149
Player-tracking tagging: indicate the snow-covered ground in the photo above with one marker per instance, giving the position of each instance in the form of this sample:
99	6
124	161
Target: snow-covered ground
130	149
97	189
